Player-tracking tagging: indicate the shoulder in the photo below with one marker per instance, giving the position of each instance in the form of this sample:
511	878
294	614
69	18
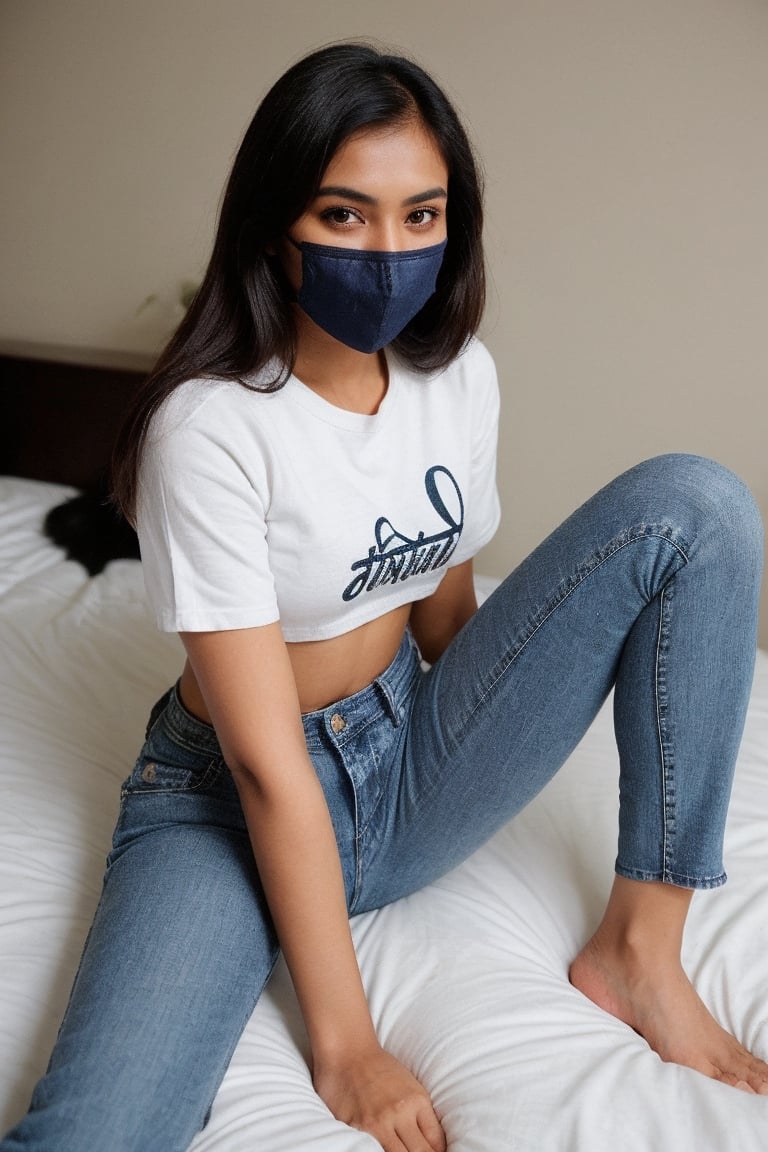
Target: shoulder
471	374
459	403
211	429
470	380
478	369
474	365
209	406
463	394
476	358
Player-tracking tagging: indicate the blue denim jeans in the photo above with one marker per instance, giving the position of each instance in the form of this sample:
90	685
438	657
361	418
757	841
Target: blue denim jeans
651	587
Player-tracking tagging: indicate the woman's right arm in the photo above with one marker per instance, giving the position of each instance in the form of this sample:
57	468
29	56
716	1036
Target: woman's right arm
247	683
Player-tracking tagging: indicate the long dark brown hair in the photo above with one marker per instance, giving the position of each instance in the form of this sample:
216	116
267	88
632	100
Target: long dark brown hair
241	317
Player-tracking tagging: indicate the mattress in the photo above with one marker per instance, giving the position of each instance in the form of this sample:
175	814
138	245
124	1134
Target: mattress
467	980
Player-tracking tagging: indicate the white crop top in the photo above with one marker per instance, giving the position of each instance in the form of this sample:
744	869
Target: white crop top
256	507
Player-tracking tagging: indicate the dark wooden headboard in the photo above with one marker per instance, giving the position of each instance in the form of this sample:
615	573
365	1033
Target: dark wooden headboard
60	408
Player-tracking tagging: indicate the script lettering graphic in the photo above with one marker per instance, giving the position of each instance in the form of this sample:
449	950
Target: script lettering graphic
396	557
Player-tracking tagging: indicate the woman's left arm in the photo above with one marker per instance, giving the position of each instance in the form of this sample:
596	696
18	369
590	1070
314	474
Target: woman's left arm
436	619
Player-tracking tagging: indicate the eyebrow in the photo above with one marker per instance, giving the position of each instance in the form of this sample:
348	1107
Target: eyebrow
363	198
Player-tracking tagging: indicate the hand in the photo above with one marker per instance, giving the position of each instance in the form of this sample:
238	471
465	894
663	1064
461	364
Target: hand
375	1093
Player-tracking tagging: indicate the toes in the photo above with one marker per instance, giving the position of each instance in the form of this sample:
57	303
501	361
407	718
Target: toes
753	1071
758	1077
747	1074
734	1081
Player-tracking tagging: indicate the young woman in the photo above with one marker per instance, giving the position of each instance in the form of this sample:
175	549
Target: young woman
311	469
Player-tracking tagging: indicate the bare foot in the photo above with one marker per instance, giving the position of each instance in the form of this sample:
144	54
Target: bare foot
659	1001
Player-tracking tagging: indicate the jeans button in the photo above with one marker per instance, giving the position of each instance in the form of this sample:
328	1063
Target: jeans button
338	723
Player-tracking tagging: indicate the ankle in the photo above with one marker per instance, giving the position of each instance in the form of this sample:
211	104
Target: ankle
627	949
644	920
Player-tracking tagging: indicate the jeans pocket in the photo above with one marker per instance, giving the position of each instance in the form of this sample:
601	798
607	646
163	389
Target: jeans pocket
152	774
167	765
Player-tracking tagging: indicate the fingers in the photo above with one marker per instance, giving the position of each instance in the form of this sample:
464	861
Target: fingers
422	1134
410	1125
375	1093
432	1130
412	1130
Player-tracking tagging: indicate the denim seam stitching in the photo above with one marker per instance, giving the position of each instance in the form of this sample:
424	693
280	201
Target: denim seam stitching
680	879
660	735
666	759
345	737
338	754
213	769
208	744
609	554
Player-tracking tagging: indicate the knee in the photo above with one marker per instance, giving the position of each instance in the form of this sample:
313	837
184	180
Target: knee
699	491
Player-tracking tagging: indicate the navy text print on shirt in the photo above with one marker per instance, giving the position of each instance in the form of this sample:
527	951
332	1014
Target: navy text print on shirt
395	557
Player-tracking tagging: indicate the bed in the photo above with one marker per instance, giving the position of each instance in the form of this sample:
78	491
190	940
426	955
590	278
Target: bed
467	980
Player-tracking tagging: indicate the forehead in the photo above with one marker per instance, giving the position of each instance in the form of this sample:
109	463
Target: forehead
389	155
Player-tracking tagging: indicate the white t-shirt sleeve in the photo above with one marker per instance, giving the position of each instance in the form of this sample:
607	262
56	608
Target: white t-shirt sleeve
482	503
202	523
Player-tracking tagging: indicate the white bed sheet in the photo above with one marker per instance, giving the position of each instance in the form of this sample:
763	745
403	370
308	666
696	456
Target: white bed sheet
467	980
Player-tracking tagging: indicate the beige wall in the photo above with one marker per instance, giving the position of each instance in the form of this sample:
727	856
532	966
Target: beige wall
626	154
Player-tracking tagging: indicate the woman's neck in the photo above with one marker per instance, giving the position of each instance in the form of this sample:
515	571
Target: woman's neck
354	381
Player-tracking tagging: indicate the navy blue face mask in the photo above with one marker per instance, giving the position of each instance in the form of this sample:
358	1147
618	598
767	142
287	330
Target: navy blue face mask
365	299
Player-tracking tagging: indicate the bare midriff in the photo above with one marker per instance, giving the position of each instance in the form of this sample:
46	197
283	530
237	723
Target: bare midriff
327	670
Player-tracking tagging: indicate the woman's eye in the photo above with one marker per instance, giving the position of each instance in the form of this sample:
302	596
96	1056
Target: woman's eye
422	216
340	216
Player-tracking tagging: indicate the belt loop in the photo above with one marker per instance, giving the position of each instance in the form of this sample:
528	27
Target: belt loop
401	672
157	710
389	701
